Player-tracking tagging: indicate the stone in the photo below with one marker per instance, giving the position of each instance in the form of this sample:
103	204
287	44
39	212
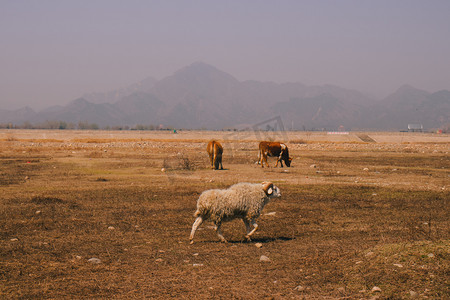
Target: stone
299	288
94	260
264	258
413	294
376	289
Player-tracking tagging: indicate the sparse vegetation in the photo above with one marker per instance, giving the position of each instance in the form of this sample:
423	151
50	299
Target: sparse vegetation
352	216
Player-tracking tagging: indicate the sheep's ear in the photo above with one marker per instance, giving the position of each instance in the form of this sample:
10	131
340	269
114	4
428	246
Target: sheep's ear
268	187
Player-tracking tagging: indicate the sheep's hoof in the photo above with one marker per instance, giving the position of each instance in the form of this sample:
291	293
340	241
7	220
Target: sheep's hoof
224	241
248	238
191	242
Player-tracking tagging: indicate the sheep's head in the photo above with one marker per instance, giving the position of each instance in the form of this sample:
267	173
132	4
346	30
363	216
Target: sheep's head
271	190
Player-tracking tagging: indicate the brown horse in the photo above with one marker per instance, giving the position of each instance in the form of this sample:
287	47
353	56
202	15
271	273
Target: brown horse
215	151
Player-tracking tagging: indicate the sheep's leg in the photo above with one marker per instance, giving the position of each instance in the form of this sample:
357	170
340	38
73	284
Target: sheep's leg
255	226
219	232
197	223
247	228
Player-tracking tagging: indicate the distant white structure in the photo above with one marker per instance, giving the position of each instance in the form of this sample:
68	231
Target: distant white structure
415	127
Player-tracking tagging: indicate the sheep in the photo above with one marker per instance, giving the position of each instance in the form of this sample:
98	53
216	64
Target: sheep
242	200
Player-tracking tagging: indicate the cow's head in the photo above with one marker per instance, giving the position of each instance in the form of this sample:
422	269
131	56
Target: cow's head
285	155
288	161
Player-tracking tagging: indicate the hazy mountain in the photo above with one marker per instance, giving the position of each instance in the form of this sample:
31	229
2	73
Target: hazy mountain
81	110
322	111
201	96
19	115
139	108
113	96
409	105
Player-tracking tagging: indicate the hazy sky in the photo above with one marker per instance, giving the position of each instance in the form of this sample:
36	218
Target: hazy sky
53	51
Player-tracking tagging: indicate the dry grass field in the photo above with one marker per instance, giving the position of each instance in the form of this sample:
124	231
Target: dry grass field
107	214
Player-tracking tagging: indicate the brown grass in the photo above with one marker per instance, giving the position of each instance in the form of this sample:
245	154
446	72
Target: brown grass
359	218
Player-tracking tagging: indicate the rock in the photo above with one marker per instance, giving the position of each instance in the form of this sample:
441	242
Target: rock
264	258
197	265
258	245
14	239
111	228
273	213
366	169
299	288
430	255
398	265
413	294
369	254
313	166
94	260
376	289
163	170
38	212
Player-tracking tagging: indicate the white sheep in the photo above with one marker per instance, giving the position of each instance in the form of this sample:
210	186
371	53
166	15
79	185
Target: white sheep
242	200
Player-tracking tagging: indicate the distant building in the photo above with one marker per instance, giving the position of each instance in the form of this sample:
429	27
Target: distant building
415	127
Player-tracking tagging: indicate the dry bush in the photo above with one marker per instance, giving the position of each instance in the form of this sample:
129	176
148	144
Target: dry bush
299	141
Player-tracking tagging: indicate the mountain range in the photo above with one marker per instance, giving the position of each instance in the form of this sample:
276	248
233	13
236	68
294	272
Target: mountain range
200	96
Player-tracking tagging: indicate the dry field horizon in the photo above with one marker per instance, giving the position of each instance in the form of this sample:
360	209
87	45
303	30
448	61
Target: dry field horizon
107	214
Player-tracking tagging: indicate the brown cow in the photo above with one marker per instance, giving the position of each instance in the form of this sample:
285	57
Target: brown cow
215	151
274	149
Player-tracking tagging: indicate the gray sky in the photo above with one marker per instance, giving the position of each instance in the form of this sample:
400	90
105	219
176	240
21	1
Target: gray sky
53	51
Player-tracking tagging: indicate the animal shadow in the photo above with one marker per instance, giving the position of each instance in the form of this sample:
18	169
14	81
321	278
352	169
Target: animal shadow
263	240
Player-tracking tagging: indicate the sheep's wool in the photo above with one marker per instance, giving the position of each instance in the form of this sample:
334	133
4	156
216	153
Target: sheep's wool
240	200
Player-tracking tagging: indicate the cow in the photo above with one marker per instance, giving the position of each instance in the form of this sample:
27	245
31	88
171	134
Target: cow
215	151
274	149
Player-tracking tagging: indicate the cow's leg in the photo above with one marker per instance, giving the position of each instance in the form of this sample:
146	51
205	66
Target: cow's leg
264	155
220	161
211	159
280	159
215	166
197	223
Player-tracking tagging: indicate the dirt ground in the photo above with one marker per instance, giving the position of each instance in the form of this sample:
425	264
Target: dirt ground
107	214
